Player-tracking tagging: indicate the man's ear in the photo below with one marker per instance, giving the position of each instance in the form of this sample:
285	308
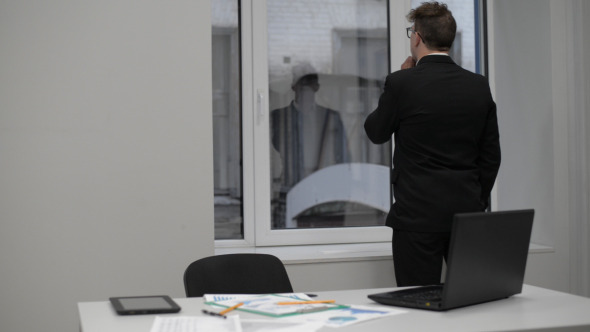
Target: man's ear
418	40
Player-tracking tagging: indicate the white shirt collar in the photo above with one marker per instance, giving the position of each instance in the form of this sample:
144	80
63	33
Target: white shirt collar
436	53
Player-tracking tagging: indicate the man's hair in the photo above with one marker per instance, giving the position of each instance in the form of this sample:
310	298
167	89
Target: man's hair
435	24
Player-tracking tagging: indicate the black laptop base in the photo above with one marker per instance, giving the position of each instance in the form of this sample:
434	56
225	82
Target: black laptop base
422	297
486	262
425	297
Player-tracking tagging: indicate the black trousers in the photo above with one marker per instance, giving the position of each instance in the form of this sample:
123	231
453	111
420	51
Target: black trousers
418	257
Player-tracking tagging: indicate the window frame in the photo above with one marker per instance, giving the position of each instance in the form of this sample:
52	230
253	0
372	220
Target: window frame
256	137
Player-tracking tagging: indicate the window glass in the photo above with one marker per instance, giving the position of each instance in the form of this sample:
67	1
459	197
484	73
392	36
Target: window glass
227	119
327	61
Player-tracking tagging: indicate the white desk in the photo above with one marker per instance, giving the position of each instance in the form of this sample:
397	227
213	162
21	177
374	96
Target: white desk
535	309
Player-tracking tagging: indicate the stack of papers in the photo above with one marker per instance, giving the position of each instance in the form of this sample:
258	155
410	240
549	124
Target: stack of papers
196	323
271	304
231	324
347	316
287	318
226	297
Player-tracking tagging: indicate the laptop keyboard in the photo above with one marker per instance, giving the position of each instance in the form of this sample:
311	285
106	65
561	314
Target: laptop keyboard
432	294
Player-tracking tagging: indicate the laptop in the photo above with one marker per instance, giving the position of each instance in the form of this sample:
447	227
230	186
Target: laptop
486	262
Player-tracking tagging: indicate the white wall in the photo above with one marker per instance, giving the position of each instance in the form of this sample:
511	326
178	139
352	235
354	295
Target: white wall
525	111
314	277
540	85
527	130
105	153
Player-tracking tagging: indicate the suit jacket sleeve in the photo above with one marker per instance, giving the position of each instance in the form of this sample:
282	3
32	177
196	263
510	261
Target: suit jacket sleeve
490	156
384	121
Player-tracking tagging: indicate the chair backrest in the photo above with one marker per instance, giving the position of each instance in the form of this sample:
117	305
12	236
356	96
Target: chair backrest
236	274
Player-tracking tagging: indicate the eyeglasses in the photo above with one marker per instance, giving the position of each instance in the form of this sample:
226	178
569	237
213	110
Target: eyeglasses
409	31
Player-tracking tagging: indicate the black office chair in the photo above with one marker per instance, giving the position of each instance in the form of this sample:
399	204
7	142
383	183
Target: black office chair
236	274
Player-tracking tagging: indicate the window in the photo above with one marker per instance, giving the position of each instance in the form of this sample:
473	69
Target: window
292	84
326	64
227	119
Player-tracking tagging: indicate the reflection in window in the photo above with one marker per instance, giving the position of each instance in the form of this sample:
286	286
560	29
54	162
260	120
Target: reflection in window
327	63
226	120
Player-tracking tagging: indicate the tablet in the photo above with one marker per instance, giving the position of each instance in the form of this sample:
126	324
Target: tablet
141	305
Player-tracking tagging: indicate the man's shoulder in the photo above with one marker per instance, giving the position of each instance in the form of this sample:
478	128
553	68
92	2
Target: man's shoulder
401	74
326	109
400	78
428	70
281	110
473	78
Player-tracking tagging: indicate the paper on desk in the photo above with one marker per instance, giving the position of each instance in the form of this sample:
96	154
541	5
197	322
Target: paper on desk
226	297
268	304
279	325
347	316
196	324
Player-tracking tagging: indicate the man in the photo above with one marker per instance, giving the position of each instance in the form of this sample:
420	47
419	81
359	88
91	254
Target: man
307	137
447	149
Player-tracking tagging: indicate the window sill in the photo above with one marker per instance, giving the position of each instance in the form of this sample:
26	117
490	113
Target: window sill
539	248
310	254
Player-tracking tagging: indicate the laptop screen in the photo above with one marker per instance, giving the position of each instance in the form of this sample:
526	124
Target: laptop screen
487	256
486	262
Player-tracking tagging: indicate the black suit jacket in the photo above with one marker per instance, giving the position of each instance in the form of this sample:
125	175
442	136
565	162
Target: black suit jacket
447	149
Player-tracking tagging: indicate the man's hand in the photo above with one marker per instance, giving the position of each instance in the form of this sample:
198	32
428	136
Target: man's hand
409	63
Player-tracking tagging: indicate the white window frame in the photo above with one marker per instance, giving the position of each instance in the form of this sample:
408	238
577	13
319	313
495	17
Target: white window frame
256	139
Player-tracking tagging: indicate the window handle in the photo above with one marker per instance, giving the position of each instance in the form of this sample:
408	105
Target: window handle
259	106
